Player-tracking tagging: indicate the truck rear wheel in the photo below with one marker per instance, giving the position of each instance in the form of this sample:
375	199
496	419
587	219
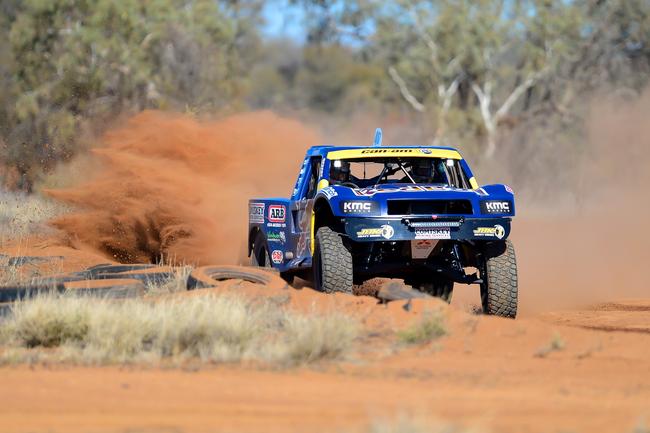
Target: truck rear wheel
260	255
332	263
499	290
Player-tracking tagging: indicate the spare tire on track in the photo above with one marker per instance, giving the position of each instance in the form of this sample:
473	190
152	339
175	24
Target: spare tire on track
209	276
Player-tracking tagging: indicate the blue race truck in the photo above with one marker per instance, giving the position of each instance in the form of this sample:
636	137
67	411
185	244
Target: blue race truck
410	212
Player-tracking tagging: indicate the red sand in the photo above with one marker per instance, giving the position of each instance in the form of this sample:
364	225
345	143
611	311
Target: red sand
174	186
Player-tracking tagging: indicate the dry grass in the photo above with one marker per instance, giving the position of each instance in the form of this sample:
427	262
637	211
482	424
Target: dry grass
22	214
211	328
14	273
410	424
641	427
429	328
178	282
556	344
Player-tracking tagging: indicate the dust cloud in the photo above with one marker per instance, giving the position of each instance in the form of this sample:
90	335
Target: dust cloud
596	248
175	188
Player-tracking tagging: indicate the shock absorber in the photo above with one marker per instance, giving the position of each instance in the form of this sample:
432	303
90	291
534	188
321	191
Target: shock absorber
456	261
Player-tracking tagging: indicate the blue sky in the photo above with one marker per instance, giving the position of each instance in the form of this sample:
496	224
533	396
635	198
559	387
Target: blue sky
284	20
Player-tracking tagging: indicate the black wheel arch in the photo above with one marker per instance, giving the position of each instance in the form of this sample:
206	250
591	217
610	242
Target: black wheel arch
252	234
324	217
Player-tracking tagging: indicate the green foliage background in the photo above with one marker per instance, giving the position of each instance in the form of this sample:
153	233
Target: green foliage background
512	75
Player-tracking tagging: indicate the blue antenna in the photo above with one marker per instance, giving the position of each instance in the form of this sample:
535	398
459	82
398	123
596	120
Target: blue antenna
378	137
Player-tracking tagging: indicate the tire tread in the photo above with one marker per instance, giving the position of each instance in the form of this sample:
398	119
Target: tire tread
502	284
336	262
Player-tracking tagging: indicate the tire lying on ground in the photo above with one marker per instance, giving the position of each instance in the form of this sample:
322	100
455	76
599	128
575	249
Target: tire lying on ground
397	291
209	276
499	290
148	274
332	263
16	293
106	289
29	260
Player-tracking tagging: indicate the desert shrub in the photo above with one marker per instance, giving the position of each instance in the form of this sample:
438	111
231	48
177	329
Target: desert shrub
212	328
177	283
556	344
430	327
316	336
23	214
412	424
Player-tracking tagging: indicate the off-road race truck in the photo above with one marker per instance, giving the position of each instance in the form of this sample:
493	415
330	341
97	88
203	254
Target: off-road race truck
410	212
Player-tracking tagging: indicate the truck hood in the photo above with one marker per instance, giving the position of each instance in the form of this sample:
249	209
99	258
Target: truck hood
489	200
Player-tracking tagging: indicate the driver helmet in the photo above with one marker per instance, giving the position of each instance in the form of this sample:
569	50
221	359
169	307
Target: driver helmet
422	170
340	171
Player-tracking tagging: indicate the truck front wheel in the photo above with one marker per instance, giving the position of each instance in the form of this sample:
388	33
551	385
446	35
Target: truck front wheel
332	263
499	290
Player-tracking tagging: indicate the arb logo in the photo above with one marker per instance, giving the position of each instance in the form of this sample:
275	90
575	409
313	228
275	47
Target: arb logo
277	213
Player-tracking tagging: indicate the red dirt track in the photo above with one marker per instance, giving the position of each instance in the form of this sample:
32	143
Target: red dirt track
174	186
489	374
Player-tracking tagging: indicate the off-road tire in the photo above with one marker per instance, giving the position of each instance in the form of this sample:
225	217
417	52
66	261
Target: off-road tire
332	263
260	255
499	290
210	276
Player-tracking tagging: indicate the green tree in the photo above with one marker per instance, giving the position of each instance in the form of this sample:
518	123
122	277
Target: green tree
76	60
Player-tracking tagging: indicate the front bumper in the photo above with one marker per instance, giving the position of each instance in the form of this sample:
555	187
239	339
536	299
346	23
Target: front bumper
385	229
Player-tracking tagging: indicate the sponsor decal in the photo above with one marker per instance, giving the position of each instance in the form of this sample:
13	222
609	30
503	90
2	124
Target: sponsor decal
256	212
508	189
359	206
277	256
276	237
433	233
421	249
385	231
495	207
426	151
369	192
329	192
277	213
427	224
496	232
369	233
388	151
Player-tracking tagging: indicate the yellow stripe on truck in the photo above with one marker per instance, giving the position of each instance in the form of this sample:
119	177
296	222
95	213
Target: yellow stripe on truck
473	183
373	152
324	183
312	235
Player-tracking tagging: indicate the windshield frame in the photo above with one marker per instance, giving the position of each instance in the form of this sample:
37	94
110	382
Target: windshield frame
451	169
